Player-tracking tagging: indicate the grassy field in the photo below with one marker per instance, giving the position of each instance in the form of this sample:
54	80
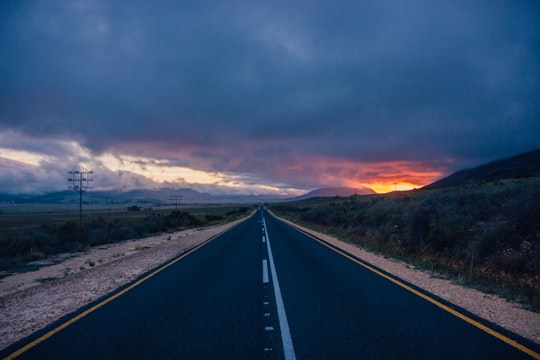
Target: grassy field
486	236
17	219
32	232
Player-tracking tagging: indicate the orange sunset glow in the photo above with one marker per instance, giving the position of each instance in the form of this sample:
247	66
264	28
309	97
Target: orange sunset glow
381	177
382	187
262	99
404	180
193	152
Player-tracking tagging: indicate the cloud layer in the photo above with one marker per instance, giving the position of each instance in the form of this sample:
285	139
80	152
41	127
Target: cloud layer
286	95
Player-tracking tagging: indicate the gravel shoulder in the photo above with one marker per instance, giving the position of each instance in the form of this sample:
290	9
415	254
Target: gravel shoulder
31	301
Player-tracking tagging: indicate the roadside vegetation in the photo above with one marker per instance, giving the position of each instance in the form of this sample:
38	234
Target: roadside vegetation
25	241
486	236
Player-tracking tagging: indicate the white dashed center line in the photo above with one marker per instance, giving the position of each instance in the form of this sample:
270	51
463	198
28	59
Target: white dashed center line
265	271
288	348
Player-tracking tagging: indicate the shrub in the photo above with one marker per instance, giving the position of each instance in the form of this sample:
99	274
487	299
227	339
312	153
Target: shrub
122	233
212	217
69	237
178	219
487	234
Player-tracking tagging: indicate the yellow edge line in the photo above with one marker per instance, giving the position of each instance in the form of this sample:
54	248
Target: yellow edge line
109	299
456	313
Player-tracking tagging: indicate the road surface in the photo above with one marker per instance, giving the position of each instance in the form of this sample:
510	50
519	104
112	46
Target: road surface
264	290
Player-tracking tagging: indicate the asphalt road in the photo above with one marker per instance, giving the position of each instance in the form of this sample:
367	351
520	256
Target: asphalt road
266	291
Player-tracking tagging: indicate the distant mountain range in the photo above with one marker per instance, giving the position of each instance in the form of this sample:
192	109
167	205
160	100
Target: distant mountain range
164	196
142	196
336	191
519	166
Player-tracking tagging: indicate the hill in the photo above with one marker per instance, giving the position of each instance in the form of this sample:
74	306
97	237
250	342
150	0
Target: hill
336	191
520	166
486	234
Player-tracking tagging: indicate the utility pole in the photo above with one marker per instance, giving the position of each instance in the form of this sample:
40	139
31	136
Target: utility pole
175	198
79	181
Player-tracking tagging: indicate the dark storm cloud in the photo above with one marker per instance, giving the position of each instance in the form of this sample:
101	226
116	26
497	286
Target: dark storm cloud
240	86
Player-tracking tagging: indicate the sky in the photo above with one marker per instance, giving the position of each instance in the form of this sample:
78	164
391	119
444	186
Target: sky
263	97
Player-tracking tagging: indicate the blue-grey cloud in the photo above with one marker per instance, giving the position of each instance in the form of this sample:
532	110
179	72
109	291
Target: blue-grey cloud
251	86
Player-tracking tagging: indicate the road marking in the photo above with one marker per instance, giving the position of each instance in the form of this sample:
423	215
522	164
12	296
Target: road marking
288	348
263	239
109	299
265	271
269	328
435	302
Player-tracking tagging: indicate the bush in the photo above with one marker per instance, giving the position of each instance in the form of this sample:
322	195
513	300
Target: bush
69	237
211	217
178	219
122	233
484	234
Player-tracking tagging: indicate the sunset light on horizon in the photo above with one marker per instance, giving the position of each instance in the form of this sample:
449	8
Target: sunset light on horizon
150	172
383	188
163	163
263	98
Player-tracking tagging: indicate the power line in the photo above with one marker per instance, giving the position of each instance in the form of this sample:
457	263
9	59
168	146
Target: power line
80	182
175	198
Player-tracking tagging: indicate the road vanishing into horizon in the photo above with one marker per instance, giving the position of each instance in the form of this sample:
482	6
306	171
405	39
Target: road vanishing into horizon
264	290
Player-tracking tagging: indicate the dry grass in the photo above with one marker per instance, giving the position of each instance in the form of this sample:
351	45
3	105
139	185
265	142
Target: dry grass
486	236
30	232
